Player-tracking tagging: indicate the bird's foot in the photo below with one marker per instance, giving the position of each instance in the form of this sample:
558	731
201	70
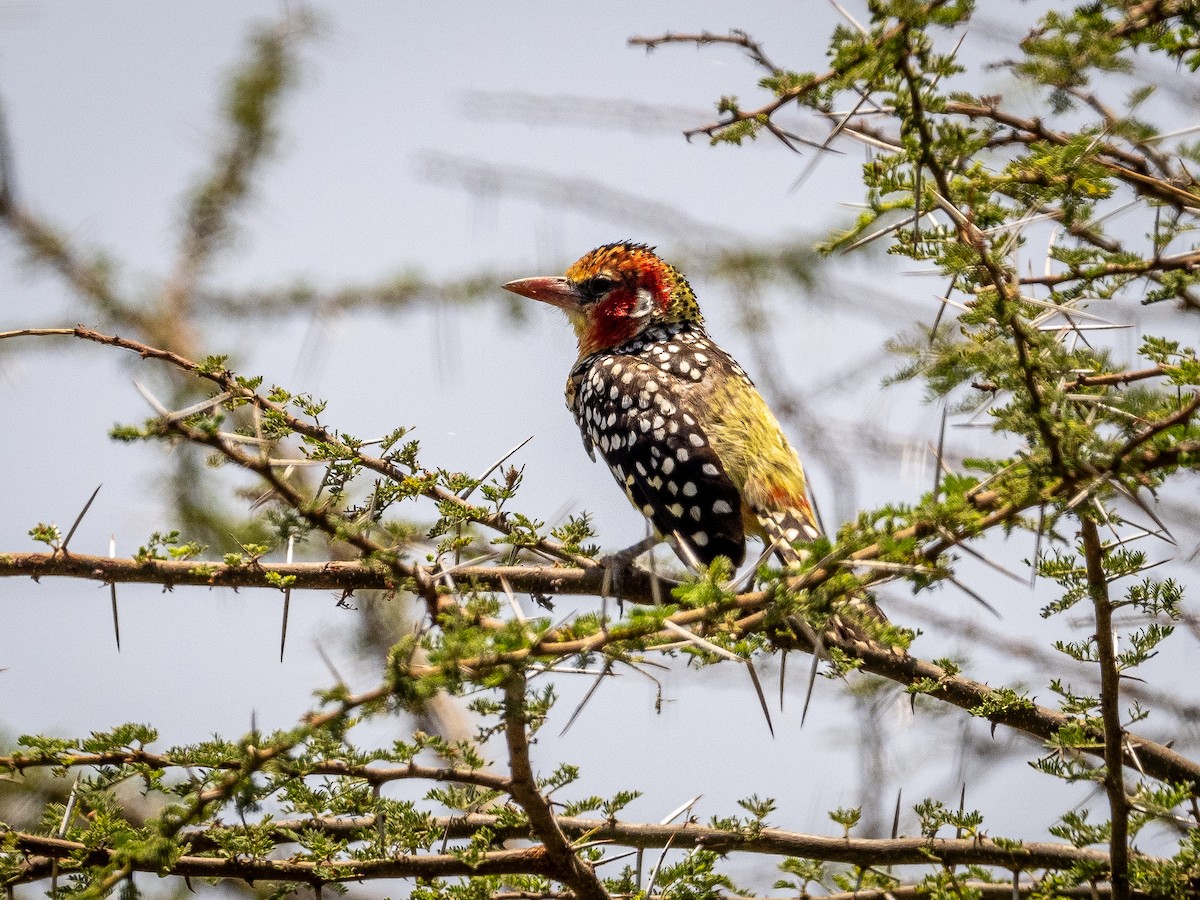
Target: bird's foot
618	563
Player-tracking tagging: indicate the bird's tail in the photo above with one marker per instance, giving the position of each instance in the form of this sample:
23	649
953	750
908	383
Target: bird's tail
788	533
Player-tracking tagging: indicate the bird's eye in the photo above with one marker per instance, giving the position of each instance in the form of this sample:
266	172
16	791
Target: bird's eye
596	287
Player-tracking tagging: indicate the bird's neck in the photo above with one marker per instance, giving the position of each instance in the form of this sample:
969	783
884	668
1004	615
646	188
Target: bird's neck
616	336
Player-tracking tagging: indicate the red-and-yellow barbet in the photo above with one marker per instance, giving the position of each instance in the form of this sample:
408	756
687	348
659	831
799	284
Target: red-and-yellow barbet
680	424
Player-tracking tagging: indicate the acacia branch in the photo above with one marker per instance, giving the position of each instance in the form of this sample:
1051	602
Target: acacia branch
985	890
868	852
1131	167
735	38
1157	760
333	575
229	382
374	775
1118	378
1110	708
569	868
1180	262
793	94
43	852
46	855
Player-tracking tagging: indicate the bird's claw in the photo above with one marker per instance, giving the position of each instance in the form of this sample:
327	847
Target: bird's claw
619	562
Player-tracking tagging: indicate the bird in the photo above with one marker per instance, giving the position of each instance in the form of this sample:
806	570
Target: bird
680	424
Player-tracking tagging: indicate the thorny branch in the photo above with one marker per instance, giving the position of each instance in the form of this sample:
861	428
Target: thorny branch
1131	166
1110	708
744	614
764	841
539	861
330	575
45	856
568	867
229	382
1157	760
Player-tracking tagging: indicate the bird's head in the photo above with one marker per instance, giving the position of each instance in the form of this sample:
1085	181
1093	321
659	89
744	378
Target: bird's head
614	293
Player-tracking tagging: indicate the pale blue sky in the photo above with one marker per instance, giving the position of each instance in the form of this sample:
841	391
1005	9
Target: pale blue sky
111	109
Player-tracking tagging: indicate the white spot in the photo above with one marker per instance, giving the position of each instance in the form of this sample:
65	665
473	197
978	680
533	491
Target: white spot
672	487
695	440
613	392
683	366
682	454
700	539
652	386
642	367
626	401
697	374
644	424
617	369
668	466
629	480
659	434
722	508
607	361
640	468
673	426
696	513
612	419
689	489
792	533
654	451
676	510
701	358
626	378
658	421
688	420
674	348
655	482
647	510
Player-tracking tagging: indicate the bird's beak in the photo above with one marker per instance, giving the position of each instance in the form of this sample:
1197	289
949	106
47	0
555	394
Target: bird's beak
555	290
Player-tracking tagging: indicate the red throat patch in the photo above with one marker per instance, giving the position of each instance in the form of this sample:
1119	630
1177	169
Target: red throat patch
621	315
